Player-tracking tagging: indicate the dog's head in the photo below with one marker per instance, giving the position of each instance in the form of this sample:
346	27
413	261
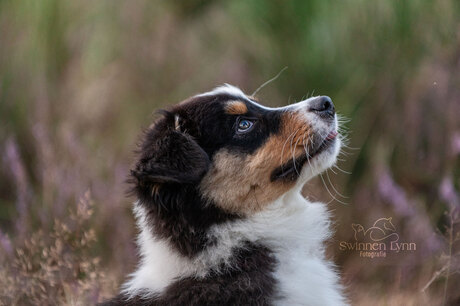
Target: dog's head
236	153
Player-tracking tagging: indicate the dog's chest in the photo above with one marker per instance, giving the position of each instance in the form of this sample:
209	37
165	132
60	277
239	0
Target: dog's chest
305	279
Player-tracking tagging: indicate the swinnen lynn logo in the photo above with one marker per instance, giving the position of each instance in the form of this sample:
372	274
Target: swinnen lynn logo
376	240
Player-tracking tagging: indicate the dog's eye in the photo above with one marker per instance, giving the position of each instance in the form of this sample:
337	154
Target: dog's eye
245	125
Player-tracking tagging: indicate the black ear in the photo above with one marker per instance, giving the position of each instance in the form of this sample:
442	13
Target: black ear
169	155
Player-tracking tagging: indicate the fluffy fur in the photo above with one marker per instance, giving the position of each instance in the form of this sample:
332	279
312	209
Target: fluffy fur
221	217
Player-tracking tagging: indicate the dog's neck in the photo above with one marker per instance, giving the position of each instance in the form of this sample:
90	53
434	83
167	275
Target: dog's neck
179	214
283	223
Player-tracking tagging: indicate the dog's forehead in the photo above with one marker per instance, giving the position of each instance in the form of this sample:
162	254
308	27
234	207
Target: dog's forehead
223	100
227	99
226	89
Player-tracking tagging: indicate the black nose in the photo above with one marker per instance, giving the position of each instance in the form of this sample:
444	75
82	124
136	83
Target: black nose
323	106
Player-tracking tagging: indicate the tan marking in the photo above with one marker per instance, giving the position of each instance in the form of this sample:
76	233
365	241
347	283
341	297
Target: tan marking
241	184
236	108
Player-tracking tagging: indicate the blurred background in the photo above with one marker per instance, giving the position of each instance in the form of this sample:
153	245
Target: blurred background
80	79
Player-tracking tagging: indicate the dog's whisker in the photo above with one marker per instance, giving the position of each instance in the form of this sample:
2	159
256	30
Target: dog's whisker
293	149
333	171
341	170
330	193
333	188
324	183
284	145
293	155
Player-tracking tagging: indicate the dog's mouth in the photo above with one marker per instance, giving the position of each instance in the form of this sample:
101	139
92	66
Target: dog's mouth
290	171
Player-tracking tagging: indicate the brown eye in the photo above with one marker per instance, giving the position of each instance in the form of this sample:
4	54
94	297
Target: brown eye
245	125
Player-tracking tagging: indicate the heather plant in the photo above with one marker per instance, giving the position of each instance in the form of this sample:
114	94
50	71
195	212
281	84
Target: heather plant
55	267
449	260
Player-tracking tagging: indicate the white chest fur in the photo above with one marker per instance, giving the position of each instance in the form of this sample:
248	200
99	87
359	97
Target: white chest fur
293	228
296	235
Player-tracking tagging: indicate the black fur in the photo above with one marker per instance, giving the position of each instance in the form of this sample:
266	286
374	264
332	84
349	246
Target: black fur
247	281
165	182
205	119
178	213
175	154
173	159
183	160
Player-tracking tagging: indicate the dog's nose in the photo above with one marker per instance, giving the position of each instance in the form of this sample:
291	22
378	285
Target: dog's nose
323	106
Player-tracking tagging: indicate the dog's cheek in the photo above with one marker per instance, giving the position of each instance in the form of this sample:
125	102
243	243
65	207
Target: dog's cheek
240	183
224	183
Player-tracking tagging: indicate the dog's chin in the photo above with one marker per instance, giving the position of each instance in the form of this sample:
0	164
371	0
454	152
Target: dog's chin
320	162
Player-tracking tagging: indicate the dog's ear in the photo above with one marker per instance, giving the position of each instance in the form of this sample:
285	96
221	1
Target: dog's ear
170	155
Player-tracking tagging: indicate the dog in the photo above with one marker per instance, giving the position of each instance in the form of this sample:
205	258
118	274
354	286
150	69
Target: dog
220	212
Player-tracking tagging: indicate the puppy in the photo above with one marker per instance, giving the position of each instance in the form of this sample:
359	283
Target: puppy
221	216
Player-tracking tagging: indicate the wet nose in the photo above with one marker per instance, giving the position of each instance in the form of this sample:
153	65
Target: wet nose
323	106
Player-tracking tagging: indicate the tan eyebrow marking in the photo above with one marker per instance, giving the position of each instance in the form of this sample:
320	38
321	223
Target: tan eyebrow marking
236	108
